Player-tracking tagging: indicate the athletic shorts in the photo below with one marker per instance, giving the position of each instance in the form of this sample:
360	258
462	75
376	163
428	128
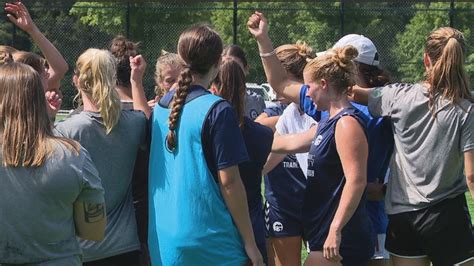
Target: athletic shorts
442	232
280	224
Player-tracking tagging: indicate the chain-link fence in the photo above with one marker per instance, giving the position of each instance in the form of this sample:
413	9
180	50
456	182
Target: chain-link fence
398	28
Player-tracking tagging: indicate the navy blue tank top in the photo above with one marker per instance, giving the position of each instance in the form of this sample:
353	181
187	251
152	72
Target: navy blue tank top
324	188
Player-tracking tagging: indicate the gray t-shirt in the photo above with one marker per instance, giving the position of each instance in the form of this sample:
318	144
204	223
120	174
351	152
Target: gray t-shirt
427	163
36	208
114	155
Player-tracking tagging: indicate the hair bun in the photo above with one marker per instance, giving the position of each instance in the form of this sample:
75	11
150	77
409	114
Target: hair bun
304	50
5	58
121	47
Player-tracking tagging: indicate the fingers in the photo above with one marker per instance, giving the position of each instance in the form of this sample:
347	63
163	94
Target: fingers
332	253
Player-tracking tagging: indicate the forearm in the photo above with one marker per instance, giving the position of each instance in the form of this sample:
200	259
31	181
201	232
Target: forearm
236	201
360	95
350	199
272	161
268	121
57	63
139	99
470	185
274	71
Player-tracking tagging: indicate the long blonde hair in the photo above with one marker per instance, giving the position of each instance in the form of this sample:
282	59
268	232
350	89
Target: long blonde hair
446	48
95	70
337	67
25	126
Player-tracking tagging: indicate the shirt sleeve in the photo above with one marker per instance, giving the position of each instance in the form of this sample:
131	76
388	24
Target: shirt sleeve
227	143
467	132
307	104
381	100
92	190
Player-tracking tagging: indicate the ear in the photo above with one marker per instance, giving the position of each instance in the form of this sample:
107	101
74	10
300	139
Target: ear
426	61
324	84
75	81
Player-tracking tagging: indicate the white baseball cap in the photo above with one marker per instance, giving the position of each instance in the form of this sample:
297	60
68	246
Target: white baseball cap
367	51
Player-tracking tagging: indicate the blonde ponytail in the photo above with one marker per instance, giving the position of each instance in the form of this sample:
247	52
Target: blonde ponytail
447	77
96	76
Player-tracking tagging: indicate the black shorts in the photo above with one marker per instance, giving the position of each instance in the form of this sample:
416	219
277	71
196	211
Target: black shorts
442	232
280	224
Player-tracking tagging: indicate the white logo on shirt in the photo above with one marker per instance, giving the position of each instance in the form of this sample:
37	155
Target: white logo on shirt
318	140
277	227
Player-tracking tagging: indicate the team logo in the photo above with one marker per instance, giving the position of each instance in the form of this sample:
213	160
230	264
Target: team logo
253	113
318	140
277	227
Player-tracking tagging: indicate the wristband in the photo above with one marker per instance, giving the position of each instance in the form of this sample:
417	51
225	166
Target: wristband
263	55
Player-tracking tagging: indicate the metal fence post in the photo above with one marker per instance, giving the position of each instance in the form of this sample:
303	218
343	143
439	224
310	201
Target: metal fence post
234	23
341	17
127	20
451	14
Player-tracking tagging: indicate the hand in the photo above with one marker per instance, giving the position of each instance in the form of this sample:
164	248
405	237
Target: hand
331	246
375	191
53	102
254	255
258	25
138	66
20	16
152	103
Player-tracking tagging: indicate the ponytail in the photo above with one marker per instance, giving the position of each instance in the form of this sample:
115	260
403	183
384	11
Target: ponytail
447	77
199	48
96	76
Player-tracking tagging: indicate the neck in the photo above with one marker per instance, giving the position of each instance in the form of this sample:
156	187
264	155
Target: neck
336	105
88	104
124	93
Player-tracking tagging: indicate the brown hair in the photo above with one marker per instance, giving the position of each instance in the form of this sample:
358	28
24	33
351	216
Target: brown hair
6	54
8	49
200	48
121	48
25	125
373	76
231	85
35	61
294	57
165	59
336	67
95	70
446	48
237	52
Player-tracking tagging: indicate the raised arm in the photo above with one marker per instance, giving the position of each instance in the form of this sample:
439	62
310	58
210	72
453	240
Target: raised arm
234	196
276	74
352	147
360	95
90	220
138	66
469	170
294	143
57	65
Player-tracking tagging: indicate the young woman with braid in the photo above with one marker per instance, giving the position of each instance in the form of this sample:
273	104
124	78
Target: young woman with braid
258	139
433	128
198	206
51	190
112	136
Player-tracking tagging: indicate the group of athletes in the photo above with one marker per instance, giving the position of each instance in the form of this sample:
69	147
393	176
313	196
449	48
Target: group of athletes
357	170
